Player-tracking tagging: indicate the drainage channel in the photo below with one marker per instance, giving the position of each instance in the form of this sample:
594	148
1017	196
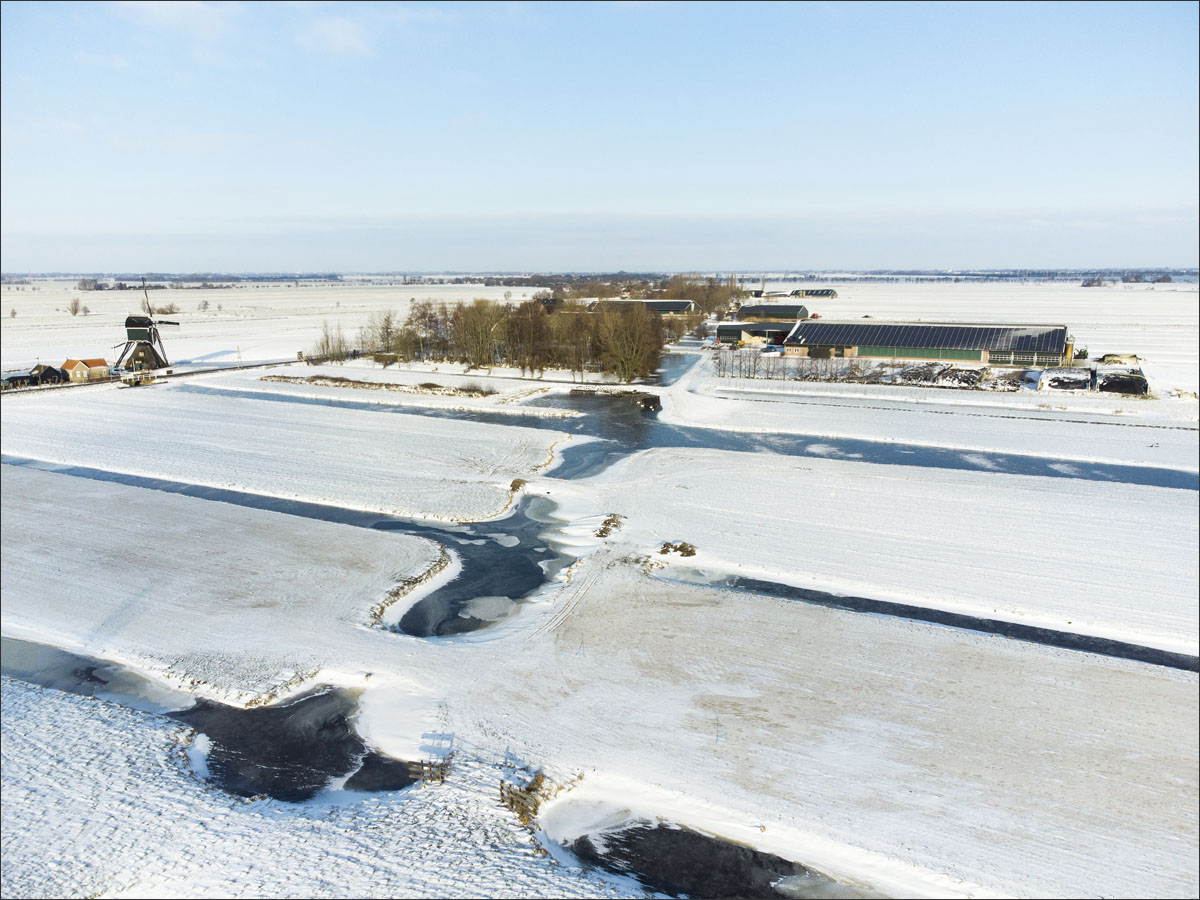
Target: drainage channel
1066	640
622	427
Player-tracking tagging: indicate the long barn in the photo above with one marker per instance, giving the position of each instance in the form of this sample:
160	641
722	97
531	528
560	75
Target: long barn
1000	345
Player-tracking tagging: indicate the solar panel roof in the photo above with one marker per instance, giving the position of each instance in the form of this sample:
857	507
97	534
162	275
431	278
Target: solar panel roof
768	310
943	336
755	326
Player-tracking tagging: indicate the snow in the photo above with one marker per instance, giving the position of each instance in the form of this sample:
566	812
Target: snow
406	465
257	323
397	386
78	821
883	751
911	758
195	592
1008	548
1131	431
1023	769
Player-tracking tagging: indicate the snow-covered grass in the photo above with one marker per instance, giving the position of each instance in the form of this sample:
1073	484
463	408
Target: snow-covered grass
1114	560
238	604
100	801
910	757
840	738
1159	432
397	386
255	323
916	759
408	465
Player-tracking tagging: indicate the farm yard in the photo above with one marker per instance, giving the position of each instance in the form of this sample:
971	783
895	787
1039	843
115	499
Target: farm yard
247	537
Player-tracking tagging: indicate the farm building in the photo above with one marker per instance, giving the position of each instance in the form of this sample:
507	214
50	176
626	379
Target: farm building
815	293
86	369
43	374
772	312
999	345
659	307
39	374
753	332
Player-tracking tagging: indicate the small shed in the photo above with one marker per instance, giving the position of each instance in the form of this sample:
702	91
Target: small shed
18	379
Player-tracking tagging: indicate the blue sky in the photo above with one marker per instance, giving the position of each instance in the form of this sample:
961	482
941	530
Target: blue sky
597	136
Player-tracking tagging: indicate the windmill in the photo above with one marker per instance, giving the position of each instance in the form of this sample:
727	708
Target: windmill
143	344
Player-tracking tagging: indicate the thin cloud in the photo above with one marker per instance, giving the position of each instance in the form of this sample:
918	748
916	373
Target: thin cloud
199	19
102	59
336	36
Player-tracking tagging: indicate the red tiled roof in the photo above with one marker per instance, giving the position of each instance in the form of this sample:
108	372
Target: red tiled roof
90	363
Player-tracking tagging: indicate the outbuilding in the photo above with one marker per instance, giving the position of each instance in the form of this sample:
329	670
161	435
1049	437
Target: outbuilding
753	332
658	307
815	293
43	374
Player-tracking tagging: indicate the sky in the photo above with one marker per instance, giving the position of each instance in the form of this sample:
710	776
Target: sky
204	136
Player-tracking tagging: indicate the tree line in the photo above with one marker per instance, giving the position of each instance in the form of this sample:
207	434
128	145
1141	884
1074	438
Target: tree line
625	340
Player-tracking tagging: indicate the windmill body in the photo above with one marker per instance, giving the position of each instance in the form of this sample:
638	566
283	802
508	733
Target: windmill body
143	345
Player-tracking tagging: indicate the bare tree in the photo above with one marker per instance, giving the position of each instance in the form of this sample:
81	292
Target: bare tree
74	306
331	346
382	328
528	337
474	329
630	340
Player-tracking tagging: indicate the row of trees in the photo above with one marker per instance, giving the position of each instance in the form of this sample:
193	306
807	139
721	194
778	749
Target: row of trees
625	340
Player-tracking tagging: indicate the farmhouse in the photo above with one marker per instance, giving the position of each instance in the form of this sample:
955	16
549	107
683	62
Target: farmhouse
772	312
86	369
998	345
753	332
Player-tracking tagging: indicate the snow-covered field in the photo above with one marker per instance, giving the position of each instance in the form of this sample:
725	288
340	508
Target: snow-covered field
273	321
247	324
408	465
1114	560
910	758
